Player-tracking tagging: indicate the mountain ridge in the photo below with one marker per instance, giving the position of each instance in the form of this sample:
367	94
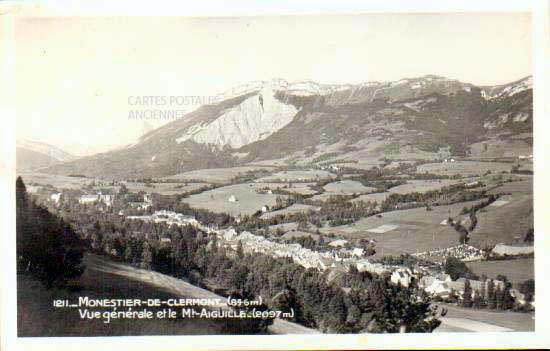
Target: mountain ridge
276	119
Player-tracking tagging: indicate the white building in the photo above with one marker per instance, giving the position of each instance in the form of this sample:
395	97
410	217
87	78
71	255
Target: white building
336	243
232	198
106	199
88	199
55	197
33	189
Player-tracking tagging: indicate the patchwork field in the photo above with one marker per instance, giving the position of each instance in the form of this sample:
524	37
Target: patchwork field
464	168
295	208
347	187
517	271
217	175
217	200
405	231
297	176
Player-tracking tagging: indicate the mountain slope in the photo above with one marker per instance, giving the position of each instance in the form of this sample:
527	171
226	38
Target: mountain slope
27	160
408	118
46	149
32	155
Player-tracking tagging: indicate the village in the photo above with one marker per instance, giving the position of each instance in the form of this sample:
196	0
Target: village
432	281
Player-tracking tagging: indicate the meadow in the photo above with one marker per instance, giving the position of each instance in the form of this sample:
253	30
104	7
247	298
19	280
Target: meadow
464	168
217	200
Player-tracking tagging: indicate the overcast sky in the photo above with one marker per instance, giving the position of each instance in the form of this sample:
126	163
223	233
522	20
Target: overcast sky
75	75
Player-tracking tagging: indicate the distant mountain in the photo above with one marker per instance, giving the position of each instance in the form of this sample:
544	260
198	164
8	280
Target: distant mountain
308	122
32	155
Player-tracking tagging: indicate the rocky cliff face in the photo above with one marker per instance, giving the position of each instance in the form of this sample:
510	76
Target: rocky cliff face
256	118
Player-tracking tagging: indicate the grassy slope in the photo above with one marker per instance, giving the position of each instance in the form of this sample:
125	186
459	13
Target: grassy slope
507	319
517	271
107	279
37	316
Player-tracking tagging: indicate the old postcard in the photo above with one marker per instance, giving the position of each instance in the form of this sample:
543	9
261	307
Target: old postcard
239	179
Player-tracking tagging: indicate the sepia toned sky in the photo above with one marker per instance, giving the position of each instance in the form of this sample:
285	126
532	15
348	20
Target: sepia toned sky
75	75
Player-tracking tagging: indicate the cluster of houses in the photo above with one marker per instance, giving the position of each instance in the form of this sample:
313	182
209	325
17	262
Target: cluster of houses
107	199
463	252
142	205
443	286
429	280
258	244
168	217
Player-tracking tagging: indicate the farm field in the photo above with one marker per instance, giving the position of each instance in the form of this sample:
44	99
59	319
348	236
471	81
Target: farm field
396	164
295	208
269	163
324	196
217	175
296	176
405	231
374	197
464	168
422	186
507	223
347	187
359	165
296	188
217	200
165	188
517	270
522	186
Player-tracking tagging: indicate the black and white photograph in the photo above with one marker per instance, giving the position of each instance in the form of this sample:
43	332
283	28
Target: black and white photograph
286	174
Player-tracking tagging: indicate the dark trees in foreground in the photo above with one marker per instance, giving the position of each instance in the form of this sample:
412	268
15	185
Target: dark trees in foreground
47	246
